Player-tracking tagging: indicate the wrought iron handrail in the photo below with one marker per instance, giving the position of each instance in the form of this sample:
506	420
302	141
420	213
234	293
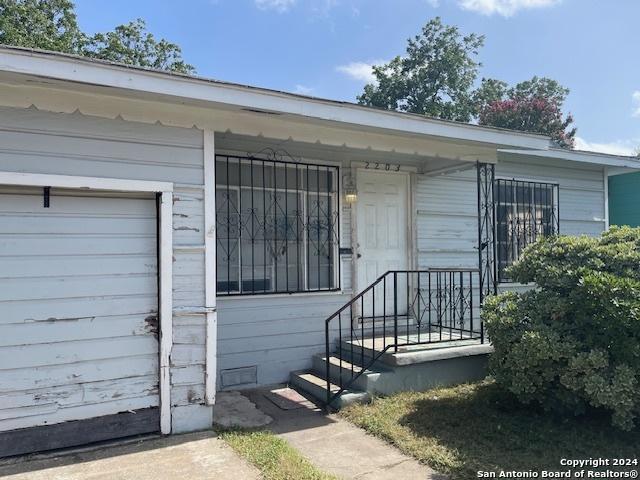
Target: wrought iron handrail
447	298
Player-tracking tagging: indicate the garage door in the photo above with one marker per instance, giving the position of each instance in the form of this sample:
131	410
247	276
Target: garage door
78	318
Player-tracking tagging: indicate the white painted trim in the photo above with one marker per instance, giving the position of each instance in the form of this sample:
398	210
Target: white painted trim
526	179
354	236
508	285
413	222
338	270
210	265
605	174
270	296
189	248
410	223
152	84
89	183
358	165
578	156
166	255
166	308
325	134
613	171
186	311
460	167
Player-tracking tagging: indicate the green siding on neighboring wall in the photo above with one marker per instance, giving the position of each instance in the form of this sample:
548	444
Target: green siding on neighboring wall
624	199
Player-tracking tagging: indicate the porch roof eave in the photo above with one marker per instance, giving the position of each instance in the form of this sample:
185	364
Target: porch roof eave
74	73
617	163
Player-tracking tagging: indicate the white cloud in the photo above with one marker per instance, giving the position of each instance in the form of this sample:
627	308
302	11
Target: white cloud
304	90
279	6
635	98
361	71
433	3
323	8
506	8
619	147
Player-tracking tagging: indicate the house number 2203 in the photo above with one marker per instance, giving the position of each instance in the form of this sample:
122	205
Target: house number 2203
385	166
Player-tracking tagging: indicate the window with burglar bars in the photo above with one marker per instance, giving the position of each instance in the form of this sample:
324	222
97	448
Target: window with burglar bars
277	226
525	211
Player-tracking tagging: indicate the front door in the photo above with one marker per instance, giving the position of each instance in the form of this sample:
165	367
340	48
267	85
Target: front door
382	230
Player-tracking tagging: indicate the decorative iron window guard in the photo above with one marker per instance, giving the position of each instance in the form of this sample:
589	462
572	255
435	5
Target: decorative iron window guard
277	226
524	212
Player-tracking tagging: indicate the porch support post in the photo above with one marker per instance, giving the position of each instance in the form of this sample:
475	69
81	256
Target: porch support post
210	266
166	307
606	198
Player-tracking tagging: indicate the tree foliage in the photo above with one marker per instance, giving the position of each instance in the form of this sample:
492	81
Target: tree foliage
532	106
45	24
52	25
434	78
573	343
133	45
437	76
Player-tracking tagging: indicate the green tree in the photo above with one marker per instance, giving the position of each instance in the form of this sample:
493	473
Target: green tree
52	25
45	24
434	78
132	44
489	91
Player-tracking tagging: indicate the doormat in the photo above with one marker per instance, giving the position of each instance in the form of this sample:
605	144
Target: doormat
287	399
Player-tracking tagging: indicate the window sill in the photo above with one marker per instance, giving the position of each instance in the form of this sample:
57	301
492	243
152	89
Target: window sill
224	298
515	284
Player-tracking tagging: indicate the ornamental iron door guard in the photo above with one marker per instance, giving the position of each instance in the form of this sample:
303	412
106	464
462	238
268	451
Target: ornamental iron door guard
486	230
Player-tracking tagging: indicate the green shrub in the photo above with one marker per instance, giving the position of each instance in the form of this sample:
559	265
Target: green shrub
573	342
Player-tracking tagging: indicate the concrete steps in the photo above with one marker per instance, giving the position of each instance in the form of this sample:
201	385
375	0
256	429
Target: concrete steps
315	385
348	371
418	367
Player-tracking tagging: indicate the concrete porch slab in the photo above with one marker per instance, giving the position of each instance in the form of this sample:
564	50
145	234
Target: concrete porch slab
443	347
411	357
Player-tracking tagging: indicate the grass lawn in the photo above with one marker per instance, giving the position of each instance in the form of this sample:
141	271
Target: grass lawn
464	429
273	456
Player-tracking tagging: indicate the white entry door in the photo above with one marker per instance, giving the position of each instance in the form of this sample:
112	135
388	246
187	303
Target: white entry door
381	232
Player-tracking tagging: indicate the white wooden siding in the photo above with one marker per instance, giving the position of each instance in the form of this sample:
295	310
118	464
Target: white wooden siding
446	217
446	207
581	190
42	142
277	334
35	141
39	330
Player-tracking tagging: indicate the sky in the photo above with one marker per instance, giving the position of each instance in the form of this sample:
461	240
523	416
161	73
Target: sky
325	48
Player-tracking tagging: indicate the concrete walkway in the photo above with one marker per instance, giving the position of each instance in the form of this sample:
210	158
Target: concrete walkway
193	456
336	446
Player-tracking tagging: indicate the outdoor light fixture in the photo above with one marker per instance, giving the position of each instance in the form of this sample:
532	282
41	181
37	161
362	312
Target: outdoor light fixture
350	191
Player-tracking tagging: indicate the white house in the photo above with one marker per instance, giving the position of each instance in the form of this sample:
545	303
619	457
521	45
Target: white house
164	237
